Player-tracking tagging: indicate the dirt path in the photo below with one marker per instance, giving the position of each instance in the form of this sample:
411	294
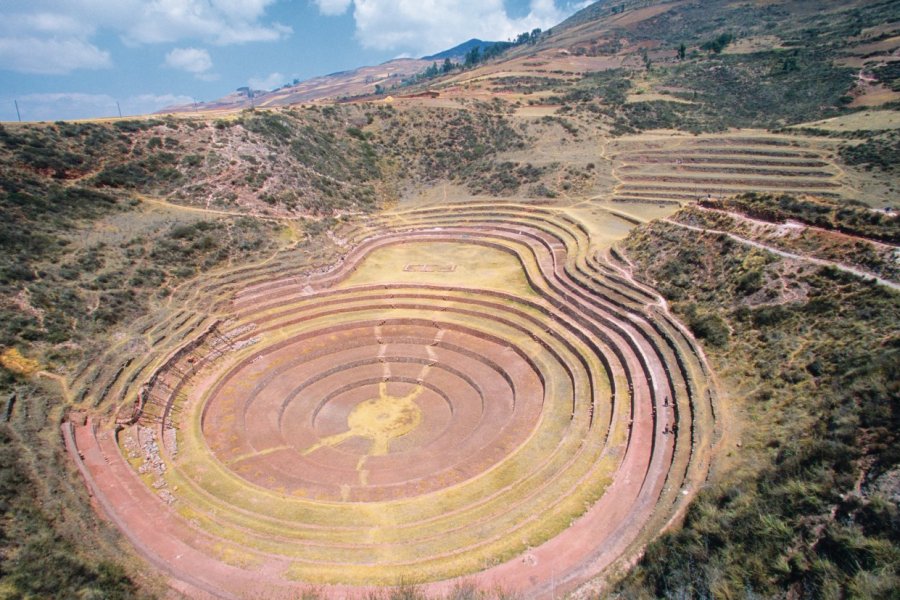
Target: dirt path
759	222
810	259
207	211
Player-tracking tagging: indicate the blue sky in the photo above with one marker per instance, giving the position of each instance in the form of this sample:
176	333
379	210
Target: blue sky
68	59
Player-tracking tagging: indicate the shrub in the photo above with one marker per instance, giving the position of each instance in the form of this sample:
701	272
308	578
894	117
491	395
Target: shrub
717	44
710	327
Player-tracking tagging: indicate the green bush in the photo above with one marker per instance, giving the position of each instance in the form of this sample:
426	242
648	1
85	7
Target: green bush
708	326
717	44
882	153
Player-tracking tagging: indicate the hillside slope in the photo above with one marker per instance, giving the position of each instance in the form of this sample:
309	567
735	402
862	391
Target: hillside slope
345	84
805	505
754	64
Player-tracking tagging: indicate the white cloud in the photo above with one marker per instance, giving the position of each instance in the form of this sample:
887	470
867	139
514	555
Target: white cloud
50	56
213	21
192	60
427	26
57	24
333	7
73	105
56	36
269	82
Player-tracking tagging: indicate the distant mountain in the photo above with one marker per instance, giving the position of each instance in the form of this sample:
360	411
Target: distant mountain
461	50
344	84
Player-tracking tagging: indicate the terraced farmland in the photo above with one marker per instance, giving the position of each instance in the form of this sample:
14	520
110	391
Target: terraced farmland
679	168
477	394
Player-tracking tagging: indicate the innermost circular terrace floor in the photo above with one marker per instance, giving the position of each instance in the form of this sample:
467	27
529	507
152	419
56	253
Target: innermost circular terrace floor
443	263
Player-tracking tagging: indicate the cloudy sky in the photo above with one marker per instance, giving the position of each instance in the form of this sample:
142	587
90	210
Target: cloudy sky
65	59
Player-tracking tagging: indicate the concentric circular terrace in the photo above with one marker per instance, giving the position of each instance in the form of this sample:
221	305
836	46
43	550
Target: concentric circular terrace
471	394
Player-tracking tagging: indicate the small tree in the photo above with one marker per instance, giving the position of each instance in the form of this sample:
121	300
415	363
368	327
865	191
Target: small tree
473	57
448	66
682	50
432	71
717	45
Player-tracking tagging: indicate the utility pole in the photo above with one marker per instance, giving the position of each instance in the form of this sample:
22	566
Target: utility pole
120	109
16	102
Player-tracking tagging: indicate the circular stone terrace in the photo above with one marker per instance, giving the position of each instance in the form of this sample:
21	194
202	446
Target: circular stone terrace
471	395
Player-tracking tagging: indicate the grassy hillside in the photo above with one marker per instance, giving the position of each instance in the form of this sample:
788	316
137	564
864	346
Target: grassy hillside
806	505
701	66
82	259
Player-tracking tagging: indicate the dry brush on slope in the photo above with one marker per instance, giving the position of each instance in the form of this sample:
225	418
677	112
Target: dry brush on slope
807	503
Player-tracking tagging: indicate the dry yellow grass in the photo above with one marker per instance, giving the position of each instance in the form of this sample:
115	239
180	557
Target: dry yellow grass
750	45
443	263
13	360
867	120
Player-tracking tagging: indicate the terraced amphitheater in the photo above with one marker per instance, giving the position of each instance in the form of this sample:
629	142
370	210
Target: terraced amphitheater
473	394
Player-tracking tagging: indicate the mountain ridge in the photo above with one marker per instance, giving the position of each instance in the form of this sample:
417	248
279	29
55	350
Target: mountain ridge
461	50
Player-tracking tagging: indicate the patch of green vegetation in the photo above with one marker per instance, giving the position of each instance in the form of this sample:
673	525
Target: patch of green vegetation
609	87
433	144
505	178
275	126
881	152
817	358
889	75
61	150
158	170
659	114
567	125
135	125
524	84
710	327
717	44
754	90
